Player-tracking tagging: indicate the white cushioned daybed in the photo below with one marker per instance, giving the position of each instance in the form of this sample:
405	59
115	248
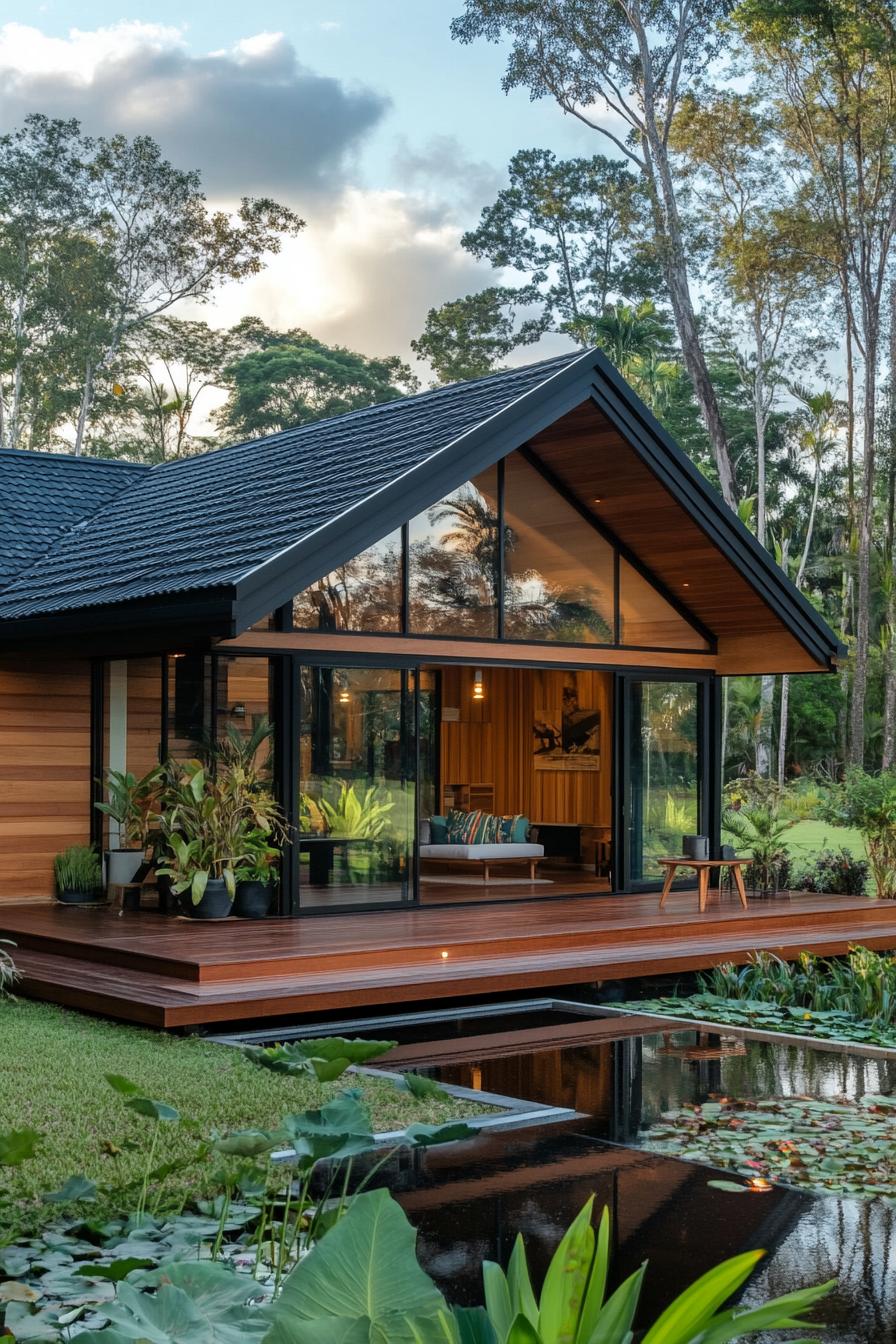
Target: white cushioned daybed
481	852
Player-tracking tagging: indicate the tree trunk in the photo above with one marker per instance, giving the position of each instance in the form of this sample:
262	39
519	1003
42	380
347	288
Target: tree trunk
84	410
866	523
888	753
674	260
782	729
764	727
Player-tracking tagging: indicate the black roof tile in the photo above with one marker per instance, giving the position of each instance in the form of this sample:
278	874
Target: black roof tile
45	495
204	522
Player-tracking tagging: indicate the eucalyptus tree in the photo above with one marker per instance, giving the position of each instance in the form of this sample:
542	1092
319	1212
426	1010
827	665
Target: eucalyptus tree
44	205
573	229
762	288
622	67
817	435
829	73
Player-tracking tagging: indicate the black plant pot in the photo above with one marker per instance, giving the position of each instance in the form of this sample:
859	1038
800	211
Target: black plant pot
215	903
95	897
253	900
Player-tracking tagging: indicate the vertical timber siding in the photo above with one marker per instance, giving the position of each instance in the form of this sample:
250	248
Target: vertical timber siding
44	769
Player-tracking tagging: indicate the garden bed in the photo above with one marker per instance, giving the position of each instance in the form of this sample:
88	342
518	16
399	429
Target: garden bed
55	1064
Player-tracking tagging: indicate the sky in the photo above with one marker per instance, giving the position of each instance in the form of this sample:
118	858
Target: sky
386	136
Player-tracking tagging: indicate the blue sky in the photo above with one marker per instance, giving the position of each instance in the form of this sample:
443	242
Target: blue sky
363	114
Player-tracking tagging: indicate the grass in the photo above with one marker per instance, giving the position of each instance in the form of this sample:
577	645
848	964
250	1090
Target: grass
52	1079
806	838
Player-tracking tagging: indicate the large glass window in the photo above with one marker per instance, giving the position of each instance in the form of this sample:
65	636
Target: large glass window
453	558
647	620
664	772
364	594
356	787
559	570
506	537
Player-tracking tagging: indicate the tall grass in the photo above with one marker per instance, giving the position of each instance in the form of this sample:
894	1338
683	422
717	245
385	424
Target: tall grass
863	983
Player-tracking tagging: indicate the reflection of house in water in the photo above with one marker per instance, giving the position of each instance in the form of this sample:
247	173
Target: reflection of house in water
469	1201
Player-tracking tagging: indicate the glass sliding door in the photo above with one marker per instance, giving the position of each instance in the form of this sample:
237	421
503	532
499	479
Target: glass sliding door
663	772
356	789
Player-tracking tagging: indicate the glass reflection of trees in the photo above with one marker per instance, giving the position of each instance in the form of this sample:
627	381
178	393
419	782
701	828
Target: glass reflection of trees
363	594
453	562
559	571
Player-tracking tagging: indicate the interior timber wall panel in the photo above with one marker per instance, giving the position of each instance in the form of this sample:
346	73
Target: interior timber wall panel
491	742
44	769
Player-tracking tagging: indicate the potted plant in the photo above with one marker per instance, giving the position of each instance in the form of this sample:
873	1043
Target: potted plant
132	803
79	876
267	831
206	839
256	877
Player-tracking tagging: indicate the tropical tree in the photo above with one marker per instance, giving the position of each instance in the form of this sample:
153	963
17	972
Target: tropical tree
470	337
635	62
291	378
829	74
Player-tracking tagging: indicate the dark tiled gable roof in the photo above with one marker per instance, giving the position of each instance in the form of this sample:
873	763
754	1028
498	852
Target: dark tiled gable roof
204	522
44	495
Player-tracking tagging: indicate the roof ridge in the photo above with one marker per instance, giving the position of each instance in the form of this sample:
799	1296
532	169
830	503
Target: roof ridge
44	455
378	407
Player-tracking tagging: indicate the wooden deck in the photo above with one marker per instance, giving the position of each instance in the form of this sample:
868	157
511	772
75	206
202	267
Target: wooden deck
146	967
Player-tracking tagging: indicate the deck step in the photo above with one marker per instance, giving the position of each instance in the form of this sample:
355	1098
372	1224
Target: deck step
250	955
166	1001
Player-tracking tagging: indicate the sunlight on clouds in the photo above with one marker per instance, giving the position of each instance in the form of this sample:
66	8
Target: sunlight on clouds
27	51
364	276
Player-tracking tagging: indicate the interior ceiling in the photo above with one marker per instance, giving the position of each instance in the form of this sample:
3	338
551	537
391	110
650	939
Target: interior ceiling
638	509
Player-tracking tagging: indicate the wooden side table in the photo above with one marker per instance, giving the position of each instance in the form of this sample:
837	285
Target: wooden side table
703	868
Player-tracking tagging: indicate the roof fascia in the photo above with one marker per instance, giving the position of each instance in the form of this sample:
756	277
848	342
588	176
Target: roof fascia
277	580
678	474
161	621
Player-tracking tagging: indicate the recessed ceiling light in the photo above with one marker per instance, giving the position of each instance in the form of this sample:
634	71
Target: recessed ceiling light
597	499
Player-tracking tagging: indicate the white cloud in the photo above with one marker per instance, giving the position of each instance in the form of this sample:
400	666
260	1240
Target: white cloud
253	119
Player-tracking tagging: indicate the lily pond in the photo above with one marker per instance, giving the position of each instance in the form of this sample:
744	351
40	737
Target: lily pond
703	1145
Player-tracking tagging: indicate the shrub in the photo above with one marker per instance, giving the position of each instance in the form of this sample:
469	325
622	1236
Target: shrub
868	803
836	871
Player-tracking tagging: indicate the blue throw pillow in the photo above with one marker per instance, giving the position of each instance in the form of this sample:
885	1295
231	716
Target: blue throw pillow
519	832
438	830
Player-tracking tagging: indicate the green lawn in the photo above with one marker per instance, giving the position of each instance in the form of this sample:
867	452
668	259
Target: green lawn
806	838
52	1079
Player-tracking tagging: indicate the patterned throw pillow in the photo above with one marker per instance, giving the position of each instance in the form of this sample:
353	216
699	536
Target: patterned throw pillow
462	827
487	830
513	830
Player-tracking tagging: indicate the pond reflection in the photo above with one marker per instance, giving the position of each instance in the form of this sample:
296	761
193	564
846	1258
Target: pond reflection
469	1201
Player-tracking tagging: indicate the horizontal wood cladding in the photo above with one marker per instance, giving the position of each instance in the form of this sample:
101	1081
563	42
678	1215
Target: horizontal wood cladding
44	769
491	742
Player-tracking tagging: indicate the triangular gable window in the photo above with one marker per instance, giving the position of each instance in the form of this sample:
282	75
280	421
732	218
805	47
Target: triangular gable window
505	556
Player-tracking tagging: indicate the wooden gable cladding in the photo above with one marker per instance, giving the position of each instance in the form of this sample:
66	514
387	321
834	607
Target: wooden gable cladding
491	742
594	462
45	784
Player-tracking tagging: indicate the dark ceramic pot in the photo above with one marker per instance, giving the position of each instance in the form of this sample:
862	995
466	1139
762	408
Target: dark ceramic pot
81	897
215	903
253	900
